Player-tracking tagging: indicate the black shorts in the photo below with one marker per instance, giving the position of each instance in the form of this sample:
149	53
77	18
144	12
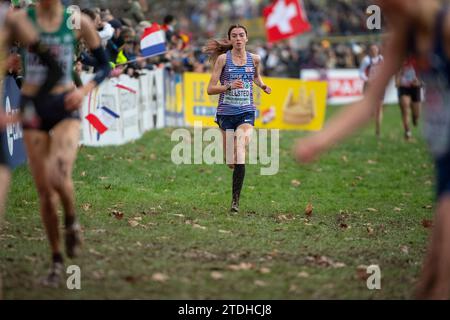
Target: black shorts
3	161
413	92
2	157
442	166
226	122
49	111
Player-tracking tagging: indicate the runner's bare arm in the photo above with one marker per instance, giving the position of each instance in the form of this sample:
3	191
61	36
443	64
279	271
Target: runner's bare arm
213	87
258	80
359	113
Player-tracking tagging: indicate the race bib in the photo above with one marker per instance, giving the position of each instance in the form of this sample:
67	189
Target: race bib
238	97
409	75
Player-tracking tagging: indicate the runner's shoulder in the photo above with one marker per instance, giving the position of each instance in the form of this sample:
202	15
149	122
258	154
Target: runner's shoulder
256	57
221	59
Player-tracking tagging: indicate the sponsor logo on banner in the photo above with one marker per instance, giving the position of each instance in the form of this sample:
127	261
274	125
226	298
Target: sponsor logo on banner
293	104
345	86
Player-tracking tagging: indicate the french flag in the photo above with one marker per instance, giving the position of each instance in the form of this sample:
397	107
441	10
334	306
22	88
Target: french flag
153	41
102	119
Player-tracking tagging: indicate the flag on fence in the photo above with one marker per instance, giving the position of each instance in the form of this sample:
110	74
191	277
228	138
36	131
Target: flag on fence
153	41
284	19
102	119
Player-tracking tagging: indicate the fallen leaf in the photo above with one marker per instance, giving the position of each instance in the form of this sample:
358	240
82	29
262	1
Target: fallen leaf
428	206
404	249
426	223
397	209
264	270
160	277
372	210
117	214
83	174
303	274
370	230
309	210
224	231
344	158
131	279
361	272
216	275
260	283
371	161
133	223
241	266
339	265
98	275
295	183
94	252
197	226
293	288
86	206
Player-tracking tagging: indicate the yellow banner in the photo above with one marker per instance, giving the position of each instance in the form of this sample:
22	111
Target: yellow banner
292	105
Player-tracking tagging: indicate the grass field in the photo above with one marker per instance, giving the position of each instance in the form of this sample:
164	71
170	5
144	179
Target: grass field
176	239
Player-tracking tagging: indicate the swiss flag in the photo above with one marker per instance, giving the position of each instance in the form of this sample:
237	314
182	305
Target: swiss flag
284	19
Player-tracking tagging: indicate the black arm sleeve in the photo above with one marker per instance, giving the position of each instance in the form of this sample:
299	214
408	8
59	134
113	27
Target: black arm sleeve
103	67
54	72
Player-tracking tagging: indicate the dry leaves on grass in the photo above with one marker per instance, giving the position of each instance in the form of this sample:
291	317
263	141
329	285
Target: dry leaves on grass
216	275
264	270
195	225
160	277
404	249
372	210
260	283
427	223
117	214
361	272
309	210
285	217
295	183
241	266
303	274
324	261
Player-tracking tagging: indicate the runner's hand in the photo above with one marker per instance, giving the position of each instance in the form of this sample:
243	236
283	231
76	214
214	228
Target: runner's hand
74	99
237	84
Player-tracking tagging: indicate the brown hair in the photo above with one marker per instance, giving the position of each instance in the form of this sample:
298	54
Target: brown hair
215	48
